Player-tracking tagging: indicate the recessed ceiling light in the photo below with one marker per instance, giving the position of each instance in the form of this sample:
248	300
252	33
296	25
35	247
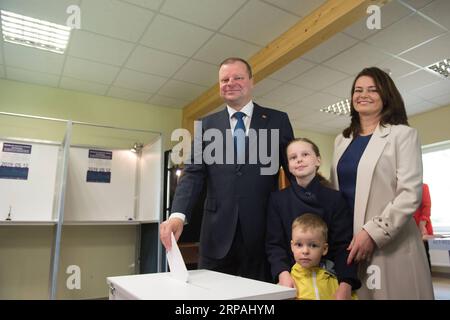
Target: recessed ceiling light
340	108
442	67
34	33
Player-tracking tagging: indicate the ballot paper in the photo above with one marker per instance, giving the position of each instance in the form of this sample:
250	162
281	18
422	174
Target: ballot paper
177	266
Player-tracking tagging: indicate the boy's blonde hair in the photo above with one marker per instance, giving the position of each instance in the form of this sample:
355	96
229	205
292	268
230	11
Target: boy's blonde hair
310	221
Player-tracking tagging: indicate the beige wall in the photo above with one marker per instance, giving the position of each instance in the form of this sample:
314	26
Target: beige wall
433	126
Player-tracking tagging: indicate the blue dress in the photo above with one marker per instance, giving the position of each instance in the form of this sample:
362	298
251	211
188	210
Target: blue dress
347	169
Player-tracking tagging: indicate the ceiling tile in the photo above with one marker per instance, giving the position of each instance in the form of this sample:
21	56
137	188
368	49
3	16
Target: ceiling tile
397	67
338	122
439	11
269	102
265	86
356	58
128	94
181	90
207	13
421	107
330	48
390	13
115	18
287	93
341	88
410	99
83	86
154	61
319	78
292	70
318	117
301	8
249	25
99	48
150	4
32	59
89	71
417	4
48	10
167	102
443	100
415	80
433	90
199	73
309	105
139	81
431	52
398	37
40	78
175	36
297	110
317	101
221	47
359	29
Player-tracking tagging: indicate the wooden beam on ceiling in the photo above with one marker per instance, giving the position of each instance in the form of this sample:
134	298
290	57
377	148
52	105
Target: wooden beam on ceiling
324	22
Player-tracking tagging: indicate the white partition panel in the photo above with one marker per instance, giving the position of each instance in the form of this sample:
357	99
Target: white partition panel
150	179
99	201
31	199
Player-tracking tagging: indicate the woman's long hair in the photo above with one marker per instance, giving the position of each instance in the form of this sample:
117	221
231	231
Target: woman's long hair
393	111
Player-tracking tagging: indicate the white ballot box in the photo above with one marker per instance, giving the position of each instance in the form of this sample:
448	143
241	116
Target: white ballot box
202	285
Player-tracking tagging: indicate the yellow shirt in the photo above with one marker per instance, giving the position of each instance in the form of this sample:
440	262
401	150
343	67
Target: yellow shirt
315	283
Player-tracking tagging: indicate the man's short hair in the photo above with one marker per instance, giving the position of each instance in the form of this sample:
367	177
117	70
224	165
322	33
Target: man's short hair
234	59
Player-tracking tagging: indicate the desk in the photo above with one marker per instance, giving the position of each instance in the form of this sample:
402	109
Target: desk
202	285
439	251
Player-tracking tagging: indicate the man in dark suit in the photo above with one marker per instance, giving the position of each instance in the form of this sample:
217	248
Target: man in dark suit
234	221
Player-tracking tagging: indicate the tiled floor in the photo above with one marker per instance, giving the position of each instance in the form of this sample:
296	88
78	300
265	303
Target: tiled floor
441	287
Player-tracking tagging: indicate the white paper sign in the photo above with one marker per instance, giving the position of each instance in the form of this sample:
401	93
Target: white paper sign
177	266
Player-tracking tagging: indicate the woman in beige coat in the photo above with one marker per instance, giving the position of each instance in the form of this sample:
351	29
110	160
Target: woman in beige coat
377	165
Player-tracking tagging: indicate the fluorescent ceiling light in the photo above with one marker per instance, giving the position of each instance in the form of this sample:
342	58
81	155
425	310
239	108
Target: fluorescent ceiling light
34	33
441	67
341	108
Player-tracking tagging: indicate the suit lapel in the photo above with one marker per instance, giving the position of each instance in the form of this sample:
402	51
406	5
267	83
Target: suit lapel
259	118
224	121
365	172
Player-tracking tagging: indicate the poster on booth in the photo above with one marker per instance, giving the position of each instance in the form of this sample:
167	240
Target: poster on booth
15	161
99	166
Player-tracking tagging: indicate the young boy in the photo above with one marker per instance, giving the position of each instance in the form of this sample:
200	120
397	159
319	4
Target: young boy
309	245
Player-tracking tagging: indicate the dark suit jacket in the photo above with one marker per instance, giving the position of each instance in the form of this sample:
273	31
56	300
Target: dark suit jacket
288	204
236	193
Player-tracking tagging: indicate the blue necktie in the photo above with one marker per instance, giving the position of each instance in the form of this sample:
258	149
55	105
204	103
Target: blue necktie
239	137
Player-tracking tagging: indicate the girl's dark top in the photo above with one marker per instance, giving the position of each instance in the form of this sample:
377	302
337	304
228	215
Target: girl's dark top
287	204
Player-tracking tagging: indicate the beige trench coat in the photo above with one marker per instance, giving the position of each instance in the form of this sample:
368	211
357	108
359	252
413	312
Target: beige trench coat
388	191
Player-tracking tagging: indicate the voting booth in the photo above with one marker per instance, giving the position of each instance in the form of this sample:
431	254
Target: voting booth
74	198
201	285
